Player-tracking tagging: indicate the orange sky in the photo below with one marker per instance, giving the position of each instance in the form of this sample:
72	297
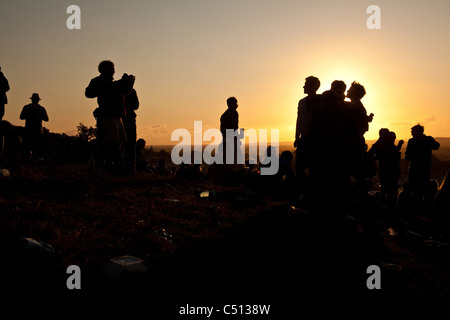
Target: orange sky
189	56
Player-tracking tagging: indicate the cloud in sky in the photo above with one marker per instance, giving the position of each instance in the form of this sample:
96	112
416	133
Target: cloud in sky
399	124
156	130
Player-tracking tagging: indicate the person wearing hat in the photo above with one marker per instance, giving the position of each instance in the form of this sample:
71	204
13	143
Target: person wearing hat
33	114
4	87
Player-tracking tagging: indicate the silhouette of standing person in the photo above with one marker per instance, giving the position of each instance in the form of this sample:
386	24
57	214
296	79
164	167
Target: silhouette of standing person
328	124
388	155
129	121
327	173
357	125
392	190
418	154
303	141
110	96
33	114
230	121
361	120
4	88
336	94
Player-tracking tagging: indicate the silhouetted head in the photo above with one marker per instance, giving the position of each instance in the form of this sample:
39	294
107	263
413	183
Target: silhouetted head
287	155
106	67
383	132
232	103
417	130
312	84
356	91
392	136
35	98
140	144
339	87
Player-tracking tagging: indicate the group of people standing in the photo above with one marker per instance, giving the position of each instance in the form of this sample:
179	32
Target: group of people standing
330	142
332	154
115	115
331	150
419	189
116	118
33	114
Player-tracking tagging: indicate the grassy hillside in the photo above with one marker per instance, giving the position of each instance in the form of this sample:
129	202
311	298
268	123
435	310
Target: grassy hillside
244	240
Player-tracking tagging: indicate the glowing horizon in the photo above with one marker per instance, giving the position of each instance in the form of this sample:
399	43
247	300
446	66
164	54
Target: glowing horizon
190	56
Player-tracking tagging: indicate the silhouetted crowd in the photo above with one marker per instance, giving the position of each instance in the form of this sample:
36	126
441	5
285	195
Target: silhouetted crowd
331	160
33	114
330	141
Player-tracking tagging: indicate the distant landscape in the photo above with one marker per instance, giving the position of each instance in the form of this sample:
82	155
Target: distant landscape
440	158
443	154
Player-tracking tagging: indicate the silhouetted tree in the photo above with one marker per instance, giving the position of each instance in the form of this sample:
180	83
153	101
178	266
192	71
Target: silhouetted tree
86	133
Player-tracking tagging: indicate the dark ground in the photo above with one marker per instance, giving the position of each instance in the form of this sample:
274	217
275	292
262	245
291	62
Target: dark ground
242	245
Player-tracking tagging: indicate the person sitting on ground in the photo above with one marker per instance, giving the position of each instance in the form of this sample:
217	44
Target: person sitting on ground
161	168
141	162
